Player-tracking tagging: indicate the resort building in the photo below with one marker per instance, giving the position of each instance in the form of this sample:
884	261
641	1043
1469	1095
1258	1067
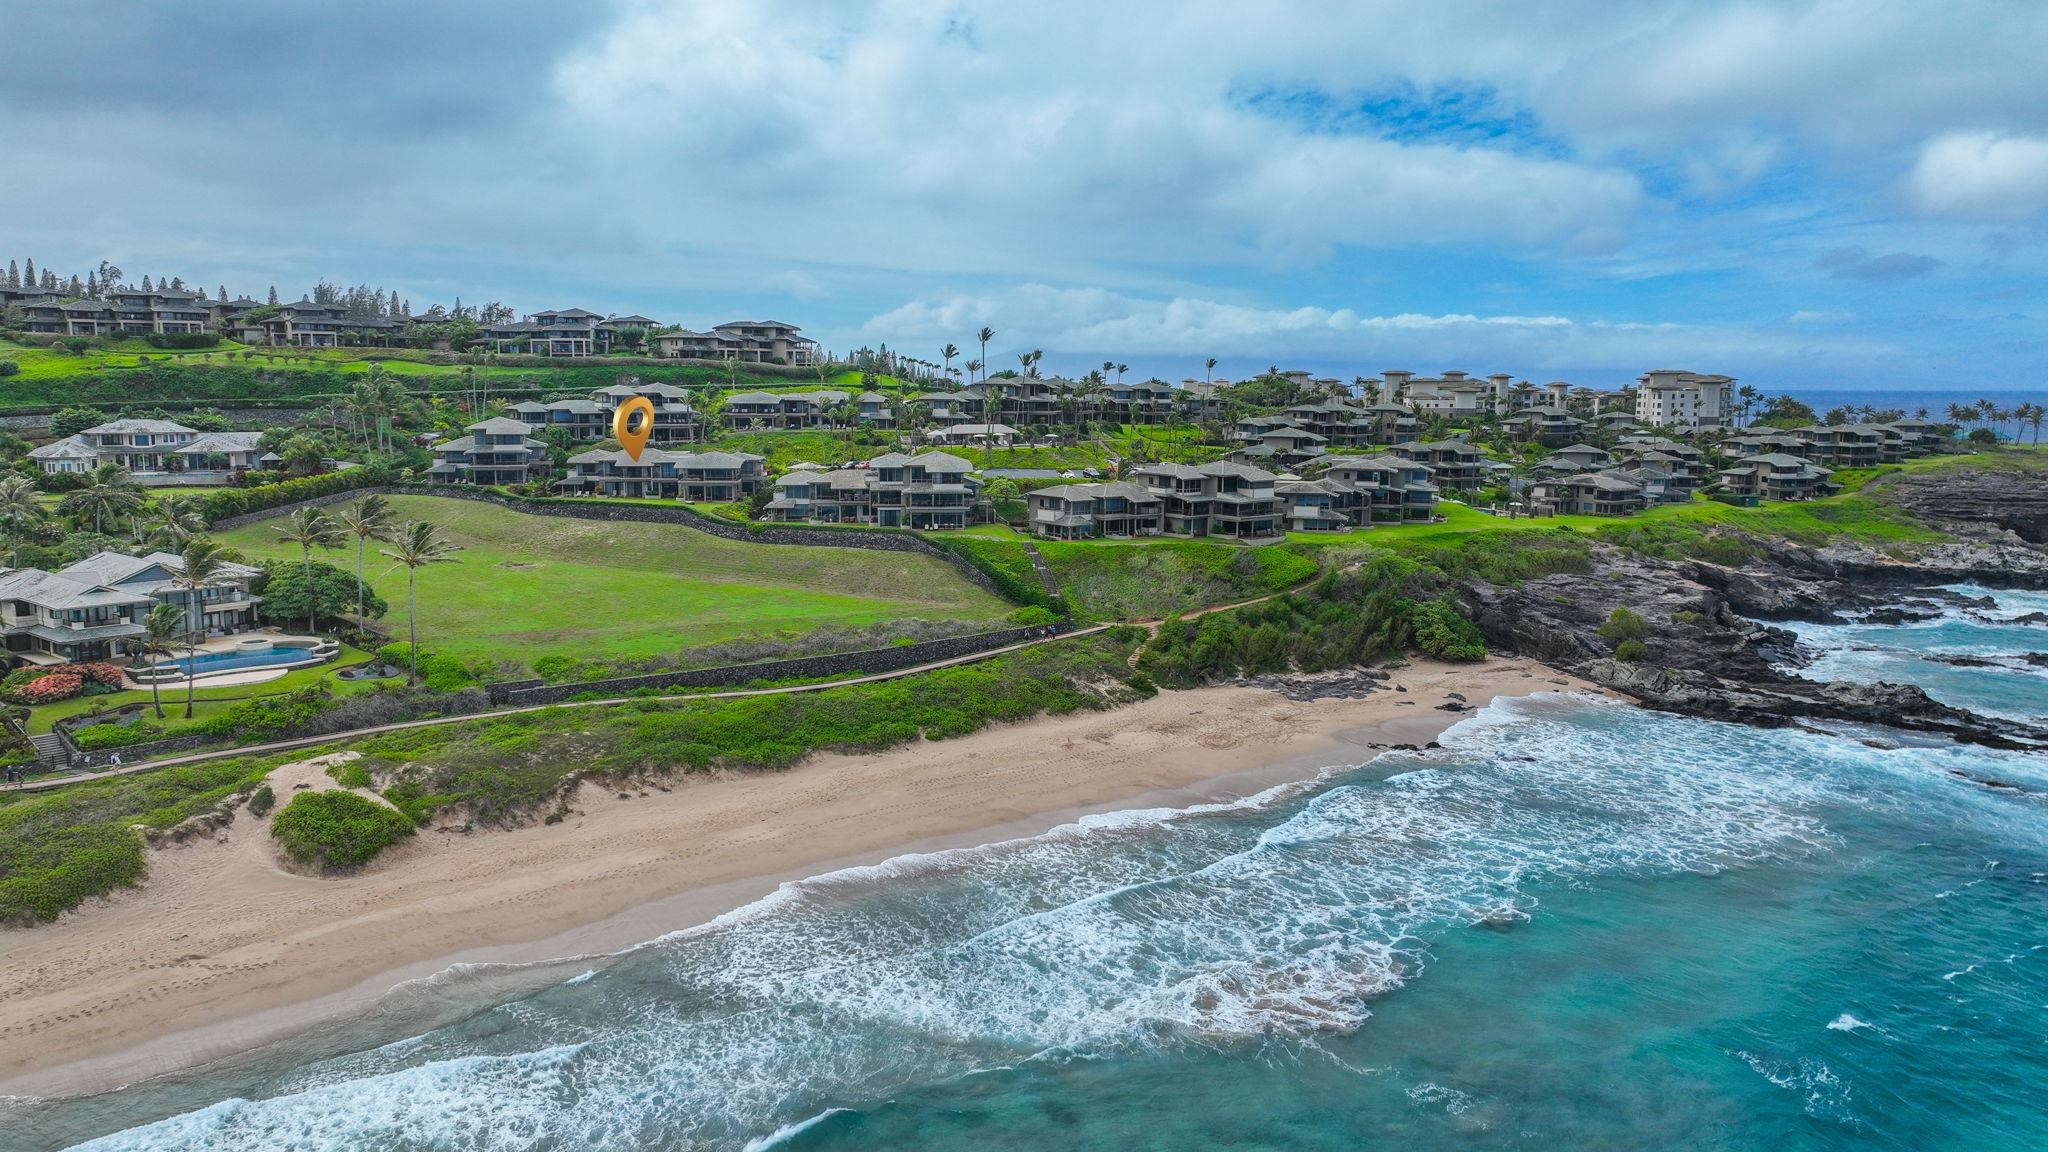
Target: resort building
570	332
744	341
1587	494
93	610
985	435
1389	488
1220	499
1548	424
931	490
696	477
1088	511
945	409
675	421
1844	445
156	452
499	450
1776	476
782	411
1669	398
300	324
1453	464
121	312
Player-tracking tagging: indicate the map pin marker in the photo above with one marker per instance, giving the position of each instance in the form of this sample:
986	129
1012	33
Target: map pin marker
632	439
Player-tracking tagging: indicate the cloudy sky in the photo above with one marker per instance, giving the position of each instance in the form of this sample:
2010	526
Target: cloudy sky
1810	194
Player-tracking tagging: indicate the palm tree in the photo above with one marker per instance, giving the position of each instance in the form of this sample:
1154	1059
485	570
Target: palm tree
1208	367
110	494
947	353
311	528
367	519
199	562
175	519
20	510
986	335
417	544
160	638
1958	415
2037	413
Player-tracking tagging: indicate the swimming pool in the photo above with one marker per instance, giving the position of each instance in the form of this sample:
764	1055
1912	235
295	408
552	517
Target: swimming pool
206	663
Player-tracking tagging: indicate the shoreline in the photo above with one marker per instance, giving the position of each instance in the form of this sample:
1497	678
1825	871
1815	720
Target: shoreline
223	950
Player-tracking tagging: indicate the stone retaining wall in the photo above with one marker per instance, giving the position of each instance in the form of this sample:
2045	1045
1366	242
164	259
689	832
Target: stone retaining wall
137	753
522	692
876	539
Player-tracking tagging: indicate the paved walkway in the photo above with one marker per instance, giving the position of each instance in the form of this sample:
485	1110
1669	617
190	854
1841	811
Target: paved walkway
358	733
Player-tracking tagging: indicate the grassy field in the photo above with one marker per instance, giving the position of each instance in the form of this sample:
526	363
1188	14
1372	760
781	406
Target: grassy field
532	586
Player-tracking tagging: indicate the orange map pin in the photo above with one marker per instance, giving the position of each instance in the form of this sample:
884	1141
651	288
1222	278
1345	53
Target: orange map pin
632	439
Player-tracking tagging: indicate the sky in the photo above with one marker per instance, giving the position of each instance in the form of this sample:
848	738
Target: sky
1821	195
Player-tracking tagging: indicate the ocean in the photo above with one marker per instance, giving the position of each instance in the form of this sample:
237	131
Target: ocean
1578	925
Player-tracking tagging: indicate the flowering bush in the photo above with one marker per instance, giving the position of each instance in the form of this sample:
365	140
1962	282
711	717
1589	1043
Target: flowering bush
100	673
49	689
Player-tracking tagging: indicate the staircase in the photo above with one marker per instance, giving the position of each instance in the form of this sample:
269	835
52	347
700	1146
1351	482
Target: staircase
51	751
1045	576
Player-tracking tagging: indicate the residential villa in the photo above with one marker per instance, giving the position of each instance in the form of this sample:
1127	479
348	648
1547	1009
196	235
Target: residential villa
696	477
945	409
300	324
122	312
1776	476
995	435
875	410
931	490
1389	489
1548	424
1845	445
499	450
559	332
1670	398
93	610
156	452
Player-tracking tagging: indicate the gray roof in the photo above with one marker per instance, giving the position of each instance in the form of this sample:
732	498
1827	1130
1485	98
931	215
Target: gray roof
499	426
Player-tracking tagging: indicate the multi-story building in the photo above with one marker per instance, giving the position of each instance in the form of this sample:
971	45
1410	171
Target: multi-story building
93	610
1453	393
1587	494
1088	511
931	490
1219	499
745	341
580	417
499	450
1453	464
120	312
696	477
1548	424
783	411
1389	489
1670	398
300	324
875	410
1843	445
572	332
1776	476
156	452
945	409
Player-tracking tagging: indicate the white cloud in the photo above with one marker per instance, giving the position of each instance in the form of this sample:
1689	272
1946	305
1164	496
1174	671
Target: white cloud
1982	175
1805	316
1077	326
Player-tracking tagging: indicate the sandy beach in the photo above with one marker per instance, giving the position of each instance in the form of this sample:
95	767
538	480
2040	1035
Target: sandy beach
224	949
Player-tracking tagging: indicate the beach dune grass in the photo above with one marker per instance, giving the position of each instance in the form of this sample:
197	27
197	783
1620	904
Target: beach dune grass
532	586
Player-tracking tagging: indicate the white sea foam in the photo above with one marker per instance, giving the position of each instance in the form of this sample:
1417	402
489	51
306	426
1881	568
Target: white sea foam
783	1134
1847	1023
1273	919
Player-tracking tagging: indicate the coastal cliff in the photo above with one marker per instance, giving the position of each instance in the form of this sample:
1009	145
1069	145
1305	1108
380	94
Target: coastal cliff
1707	648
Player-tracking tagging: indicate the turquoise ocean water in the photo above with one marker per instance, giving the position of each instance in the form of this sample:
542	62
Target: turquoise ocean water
1580	925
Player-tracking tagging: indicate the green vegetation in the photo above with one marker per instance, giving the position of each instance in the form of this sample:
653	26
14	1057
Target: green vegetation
1622	625
335	831
507	768
531	586
62	847
1381	606
209	702
1150	580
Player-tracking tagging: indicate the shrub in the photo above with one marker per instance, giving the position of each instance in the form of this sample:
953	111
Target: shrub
263	801
71	421
48	689
242	501
99	737
334	831
1442	632
1631	651
350	775
1623	624
1033	617
9	368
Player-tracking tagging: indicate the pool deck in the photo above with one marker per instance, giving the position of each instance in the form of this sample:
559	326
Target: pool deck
233	644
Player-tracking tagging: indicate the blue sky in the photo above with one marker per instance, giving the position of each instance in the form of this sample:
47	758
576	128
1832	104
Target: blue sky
1800	195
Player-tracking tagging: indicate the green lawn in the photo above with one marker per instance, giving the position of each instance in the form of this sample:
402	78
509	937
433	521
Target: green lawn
207	701
531	586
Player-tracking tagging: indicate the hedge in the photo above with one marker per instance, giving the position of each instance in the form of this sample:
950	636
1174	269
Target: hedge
242	501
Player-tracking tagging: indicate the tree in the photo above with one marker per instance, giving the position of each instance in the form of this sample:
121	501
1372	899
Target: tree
174	519
72	421
199	564
947	353
311	528
369	518
986	335
416	544
273	295
21	511
331	593
160	638
110	494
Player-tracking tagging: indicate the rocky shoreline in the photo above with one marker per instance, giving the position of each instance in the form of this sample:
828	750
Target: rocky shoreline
1711	651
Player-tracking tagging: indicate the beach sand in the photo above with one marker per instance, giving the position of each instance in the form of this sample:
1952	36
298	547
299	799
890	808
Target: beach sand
224	948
